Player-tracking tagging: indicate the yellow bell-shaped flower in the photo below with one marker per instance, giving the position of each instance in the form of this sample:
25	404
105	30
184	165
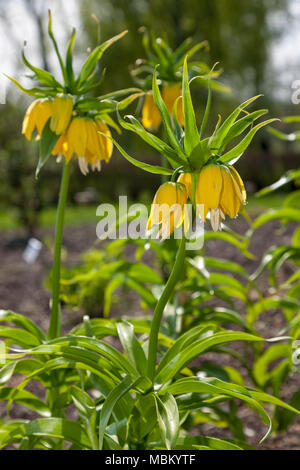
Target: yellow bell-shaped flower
84	139
168	208
38	113
170	93
220	191
186	179
62	113
151	118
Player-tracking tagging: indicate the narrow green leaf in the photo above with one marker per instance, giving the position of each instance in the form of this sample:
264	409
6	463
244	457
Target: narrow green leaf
131	345
109	404
191	137
166	118
94	57
168	418
227	124
235	153
155	169
47	144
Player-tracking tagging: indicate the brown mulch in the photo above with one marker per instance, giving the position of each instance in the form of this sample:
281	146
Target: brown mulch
21	290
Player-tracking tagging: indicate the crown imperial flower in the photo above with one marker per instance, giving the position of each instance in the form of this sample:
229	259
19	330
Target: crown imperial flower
220	191
84	139
62	109
168	208
36	117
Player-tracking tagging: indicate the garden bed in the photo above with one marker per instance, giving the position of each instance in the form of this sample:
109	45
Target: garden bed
21	290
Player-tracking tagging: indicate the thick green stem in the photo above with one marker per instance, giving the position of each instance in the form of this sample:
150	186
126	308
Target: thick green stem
159	309
55	315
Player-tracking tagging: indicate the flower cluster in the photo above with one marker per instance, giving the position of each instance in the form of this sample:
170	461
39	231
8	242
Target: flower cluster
66	122
83	137
219	191
169	65
151	117
205	166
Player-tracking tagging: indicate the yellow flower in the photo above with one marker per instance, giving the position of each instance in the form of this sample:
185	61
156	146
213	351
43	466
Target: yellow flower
170	93
151	117
186	179
36	117
62	113
83	139
168	207
221	191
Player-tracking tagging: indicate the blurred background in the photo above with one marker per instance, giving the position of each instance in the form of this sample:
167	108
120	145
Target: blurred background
254	42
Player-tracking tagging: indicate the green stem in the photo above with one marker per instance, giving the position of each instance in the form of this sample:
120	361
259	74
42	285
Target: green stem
159	309
55	315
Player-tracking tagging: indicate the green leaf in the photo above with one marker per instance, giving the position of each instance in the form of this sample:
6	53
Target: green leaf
166	118
168	418
23	367
94	57
187	355
282	136
289	214
191	137
109	405
23	322
131	346
289	176
57	428
35	91
235	153
184	342
261	369
216	387
18	336
227	124
46	78
200	155
212	443
51	35
151	139
25	398
208	105
239	126
47	144
69	58
155	169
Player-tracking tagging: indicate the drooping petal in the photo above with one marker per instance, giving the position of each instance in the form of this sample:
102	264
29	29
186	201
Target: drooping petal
62	113
209	187
228	196
239	182
30	119
77	136
44	112
105	144
170	93
168	208
186	179
151	118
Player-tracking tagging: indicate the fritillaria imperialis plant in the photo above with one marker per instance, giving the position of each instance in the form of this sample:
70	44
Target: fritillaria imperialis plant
67	124
169	75
146	396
